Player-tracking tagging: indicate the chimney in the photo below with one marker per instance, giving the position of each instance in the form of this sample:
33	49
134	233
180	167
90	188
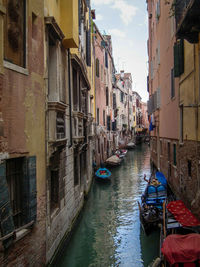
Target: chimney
122	74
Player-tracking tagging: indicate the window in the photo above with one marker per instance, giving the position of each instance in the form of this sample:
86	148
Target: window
130	98
114	101
168	150
97	67
88	48
97	116
75	90
15	32
122	97
172	84
54	189
106	59
174	154
107	97
60	125
17	193
14	176
104	118
161	152
189	168
178	58
181	123
76	170
108	123
101	73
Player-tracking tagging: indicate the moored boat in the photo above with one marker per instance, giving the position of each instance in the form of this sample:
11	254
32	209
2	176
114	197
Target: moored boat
130	145
103	174
113	161
151	207
180	236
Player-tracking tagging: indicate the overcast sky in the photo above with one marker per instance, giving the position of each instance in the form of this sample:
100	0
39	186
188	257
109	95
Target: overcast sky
126	21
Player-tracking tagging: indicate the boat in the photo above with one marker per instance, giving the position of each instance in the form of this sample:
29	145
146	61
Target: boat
103	174
113	161
121	153
151	206
130	145
180	236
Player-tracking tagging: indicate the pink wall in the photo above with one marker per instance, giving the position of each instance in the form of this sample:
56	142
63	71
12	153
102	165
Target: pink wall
100	87
159	32
144	115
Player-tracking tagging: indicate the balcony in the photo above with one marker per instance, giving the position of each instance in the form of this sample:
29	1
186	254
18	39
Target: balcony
187	14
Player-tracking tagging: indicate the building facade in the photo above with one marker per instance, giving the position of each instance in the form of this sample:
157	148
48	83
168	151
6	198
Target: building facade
173	106
22	135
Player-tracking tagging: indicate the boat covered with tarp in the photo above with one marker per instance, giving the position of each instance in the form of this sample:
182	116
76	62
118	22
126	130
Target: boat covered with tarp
103	174
182	249
113	161
180	236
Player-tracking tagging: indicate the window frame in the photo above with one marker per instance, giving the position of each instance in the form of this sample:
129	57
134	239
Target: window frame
15	67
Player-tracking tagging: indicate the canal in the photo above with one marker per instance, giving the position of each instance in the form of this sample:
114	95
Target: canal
109	231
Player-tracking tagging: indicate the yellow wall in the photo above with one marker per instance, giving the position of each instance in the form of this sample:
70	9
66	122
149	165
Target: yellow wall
65	13
189	87
69	23
52	8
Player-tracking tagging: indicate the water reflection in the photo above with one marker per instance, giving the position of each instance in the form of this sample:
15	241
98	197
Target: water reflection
109	232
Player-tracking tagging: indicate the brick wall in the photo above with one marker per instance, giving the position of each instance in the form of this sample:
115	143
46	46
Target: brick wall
185	187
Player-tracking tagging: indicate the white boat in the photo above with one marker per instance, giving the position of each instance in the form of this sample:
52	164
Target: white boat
130	145
113	160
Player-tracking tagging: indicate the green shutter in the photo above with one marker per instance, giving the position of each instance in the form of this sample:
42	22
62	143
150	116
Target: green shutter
176	60
6	218
181	57
29	190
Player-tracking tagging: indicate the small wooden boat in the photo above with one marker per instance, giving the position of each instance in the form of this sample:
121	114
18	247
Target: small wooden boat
121	153
103	174
113	161
130	145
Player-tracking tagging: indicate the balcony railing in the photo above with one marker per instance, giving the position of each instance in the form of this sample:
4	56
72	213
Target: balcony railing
187	14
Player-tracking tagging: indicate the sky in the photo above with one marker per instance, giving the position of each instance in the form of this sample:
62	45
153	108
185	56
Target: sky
126	21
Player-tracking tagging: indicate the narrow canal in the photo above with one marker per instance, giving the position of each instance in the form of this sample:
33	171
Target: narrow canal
109	231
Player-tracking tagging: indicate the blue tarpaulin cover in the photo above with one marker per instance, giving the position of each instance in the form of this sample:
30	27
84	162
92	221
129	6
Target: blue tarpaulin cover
161	178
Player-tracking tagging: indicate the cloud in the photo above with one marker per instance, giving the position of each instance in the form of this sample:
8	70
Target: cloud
99	17
117	33
127	11
102	2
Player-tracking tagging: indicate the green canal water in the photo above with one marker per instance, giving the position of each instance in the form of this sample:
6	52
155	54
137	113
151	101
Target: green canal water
109	231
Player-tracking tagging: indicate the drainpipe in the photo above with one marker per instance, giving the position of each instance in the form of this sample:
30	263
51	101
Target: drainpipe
70	101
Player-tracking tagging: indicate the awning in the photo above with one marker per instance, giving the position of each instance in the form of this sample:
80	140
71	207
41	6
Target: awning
182	214
181	248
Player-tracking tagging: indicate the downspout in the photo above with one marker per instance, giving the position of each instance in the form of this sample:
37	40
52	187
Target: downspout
70	100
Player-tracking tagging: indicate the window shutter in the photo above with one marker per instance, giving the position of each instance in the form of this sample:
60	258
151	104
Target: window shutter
29	190
106	59
176	60
181	56
88	48
158	98
6	218
114	101
108	123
